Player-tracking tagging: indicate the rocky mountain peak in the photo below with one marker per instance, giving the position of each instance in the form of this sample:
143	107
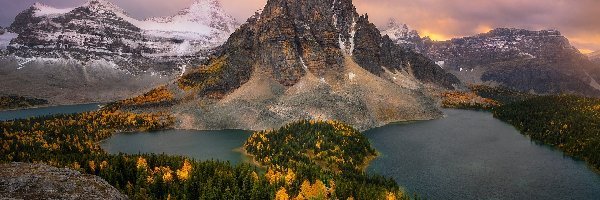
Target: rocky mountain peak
393	24
104	5
202	12
101	30
296	38
541	61
401	34
309	59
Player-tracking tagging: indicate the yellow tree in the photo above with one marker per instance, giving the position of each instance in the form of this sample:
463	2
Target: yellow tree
282	194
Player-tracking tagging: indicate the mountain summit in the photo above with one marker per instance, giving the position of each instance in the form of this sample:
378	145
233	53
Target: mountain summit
97	52
402	34
542	62
308	59
100	30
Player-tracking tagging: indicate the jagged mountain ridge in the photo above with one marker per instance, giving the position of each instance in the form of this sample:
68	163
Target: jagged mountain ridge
306	60
402	34
532	61
101	30
98	53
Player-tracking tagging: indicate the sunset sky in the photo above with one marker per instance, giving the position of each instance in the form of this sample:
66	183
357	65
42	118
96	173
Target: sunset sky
439	19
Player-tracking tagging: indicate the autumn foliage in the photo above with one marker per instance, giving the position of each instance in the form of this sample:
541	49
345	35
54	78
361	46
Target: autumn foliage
77	133
160	95
467	100
312	159
14	102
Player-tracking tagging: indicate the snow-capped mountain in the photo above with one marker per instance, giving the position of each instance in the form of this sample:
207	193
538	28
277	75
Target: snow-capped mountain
5	38
93	31
100	30
204	25
401	34
97	52
530	61
203	18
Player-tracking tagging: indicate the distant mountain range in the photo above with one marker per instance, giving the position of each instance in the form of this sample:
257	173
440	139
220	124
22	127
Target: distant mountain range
99	30
541	62
54	50
97	52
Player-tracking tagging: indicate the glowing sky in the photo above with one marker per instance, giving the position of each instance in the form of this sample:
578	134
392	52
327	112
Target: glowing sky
439	19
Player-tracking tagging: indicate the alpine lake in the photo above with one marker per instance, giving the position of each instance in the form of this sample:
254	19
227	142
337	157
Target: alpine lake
466	155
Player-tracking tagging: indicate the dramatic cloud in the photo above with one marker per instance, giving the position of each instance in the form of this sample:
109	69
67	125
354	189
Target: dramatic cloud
440	19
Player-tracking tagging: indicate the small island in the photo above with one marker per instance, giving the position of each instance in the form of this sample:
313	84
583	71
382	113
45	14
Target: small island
312	159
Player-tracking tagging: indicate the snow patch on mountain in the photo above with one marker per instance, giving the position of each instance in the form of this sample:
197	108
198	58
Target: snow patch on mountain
43	10
100	29
399	32
203	20
6	38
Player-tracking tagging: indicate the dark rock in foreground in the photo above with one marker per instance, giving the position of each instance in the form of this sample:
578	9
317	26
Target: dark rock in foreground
39	181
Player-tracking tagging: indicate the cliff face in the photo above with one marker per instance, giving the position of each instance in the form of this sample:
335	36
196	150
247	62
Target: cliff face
531	61
38	181
90	32
293	38
100	30
537	61
308	59
96	52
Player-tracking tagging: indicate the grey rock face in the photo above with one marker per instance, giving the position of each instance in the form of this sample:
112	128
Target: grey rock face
292	38
374	52
530	61
96	52
90	32
38	181
401	34
538	61
99	30
308	60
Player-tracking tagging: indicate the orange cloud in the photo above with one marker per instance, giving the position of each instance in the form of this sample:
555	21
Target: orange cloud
434	36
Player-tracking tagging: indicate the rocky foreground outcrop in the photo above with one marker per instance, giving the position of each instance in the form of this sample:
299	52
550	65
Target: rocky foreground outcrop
39	181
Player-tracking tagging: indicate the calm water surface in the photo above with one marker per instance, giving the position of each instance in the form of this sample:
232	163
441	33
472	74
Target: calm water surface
471	155
38	112
201	145
467	155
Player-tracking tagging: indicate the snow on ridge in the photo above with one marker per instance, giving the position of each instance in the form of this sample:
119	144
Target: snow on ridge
399	31
105	5
43	10
202	18
6	38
